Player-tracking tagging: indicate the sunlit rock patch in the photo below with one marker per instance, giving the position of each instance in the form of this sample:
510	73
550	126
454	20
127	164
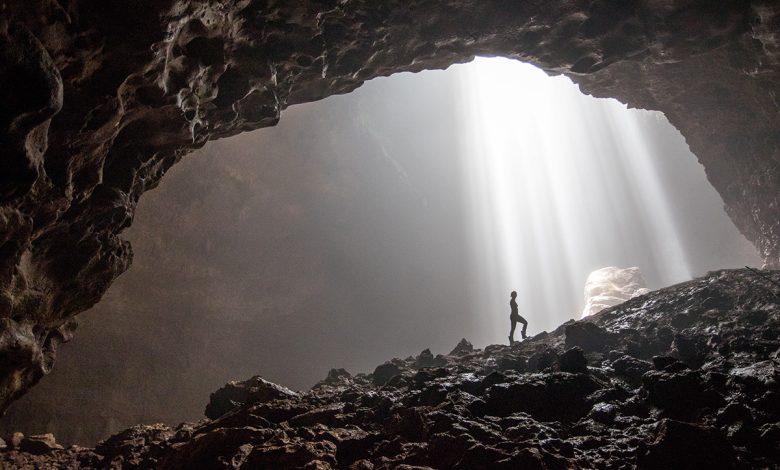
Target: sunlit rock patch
679	378
610	286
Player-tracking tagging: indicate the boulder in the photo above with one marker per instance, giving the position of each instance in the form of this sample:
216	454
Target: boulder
688	350
511	362
253	391
542	360
603	413
683	445
681	394
757	378
427	359
462	348
573	361
39	444
335	377
558	396
409	423
383	373
631	368
135	441
662	362
446	449
589	337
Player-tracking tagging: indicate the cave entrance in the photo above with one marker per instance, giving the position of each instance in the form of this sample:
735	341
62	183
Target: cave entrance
378	223
426	198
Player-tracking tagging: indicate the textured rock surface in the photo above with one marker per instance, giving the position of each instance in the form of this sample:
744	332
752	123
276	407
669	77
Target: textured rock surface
660	393
101	98
254	390
610	286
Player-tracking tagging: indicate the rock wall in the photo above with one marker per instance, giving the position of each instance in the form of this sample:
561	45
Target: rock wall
102	97
285	265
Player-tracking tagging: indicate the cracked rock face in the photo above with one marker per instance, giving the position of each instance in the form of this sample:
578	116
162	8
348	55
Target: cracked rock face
100	98
683	377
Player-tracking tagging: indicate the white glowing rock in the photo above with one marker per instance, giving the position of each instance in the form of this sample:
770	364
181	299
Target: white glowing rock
610	286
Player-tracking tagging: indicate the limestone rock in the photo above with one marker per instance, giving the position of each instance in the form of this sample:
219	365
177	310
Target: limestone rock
589	337
383	373
689	446
573	361
427	359
610	286
463	347
253	391
39	444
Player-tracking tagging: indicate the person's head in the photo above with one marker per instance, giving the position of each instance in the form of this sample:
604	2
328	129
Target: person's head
513	294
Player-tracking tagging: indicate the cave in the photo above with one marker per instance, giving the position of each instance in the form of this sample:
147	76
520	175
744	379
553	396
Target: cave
102	99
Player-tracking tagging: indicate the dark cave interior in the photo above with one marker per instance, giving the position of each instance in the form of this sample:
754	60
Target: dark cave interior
103	98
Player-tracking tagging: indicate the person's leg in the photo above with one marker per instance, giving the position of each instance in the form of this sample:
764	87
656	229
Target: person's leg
512	331
525	326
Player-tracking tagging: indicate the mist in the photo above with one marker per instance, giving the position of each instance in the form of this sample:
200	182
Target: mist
377	224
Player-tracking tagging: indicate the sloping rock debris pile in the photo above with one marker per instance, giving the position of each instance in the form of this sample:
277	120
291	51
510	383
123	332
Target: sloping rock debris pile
683	377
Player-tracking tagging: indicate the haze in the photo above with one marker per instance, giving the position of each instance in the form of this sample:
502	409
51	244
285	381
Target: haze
378	224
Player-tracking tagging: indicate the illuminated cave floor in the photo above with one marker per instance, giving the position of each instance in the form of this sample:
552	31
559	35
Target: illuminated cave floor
682	377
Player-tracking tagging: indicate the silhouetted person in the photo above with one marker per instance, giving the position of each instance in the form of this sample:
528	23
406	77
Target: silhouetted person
515	317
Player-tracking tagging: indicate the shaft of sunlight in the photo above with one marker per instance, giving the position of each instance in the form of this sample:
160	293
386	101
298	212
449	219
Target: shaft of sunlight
551	177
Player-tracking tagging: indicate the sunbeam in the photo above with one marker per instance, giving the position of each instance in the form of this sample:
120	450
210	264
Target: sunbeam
551	178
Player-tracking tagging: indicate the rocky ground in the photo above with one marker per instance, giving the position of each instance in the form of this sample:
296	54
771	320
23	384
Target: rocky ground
683	377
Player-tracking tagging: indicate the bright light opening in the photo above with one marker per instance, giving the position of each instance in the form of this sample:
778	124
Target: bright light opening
550	177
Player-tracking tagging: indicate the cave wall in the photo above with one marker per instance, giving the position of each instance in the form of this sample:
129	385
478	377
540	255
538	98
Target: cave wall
286	265
102	97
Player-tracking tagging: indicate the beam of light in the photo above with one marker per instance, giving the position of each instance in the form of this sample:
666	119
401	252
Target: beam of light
555	184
